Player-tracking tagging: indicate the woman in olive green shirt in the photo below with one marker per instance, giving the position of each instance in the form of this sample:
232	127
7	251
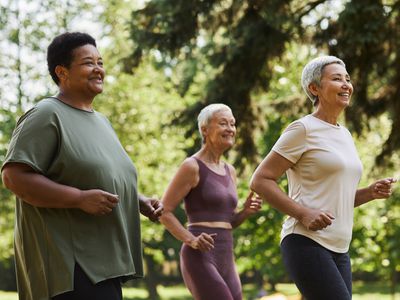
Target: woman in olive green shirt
77	231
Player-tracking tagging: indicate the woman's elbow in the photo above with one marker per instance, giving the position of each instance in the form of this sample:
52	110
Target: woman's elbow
6	176
255	183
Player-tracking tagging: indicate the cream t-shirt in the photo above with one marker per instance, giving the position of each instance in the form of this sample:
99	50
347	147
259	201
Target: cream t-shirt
325	176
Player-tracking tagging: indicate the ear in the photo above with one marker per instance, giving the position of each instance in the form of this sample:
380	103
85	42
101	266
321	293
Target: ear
313	88
204	131
61	72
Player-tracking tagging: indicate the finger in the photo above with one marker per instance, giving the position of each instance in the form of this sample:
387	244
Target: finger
326	220
110	205
112	198
250	195
104	211
258	203
208	238
205	245
159	210
213	235
329	215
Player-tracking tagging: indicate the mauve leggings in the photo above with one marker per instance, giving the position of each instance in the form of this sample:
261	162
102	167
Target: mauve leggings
211	275
319	274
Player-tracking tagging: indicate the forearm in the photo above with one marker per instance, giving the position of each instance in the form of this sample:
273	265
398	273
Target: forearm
363	196
40	191
270	192
175	227
239	218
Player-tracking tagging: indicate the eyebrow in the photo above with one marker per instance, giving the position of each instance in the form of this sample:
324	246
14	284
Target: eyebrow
338	74
91	58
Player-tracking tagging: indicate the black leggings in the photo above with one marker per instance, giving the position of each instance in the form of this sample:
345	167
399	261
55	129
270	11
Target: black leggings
84	289
317	272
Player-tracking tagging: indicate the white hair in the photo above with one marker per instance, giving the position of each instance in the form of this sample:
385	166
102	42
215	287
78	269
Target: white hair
207	113
312	73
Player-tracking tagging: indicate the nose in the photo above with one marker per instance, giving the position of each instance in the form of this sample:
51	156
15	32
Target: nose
347	85
98	69
231	128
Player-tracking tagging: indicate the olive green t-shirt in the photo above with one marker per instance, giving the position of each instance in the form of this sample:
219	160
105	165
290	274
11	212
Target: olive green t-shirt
79	149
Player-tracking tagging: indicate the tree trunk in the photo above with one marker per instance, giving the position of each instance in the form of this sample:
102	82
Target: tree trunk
393	283
151	278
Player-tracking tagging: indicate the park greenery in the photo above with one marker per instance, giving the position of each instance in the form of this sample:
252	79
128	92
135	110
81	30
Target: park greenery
165	60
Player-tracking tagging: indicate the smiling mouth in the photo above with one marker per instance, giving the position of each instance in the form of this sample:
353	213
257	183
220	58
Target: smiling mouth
344	95
100	80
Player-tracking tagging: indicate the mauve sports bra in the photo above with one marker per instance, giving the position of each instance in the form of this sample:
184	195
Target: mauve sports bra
214	199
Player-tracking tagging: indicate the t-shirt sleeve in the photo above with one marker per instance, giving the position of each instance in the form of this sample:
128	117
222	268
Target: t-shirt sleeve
35	140
292	143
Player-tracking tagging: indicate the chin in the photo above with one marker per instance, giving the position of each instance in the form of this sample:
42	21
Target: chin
97	91
228	146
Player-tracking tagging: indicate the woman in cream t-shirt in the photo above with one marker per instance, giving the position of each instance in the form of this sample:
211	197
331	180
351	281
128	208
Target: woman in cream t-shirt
323	170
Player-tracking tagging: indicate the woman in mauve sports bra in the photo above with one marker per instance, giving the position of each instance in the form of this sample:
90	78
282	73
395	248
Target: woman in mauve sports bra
208	187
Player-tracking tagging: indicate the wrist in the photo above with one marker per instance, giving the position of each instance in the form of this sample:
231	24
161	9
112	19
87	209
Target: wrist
190	242
300	213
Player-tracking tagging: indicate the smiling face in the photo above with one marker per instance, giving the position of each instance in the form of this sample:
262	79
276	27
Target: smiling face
221	130
335	89
85	75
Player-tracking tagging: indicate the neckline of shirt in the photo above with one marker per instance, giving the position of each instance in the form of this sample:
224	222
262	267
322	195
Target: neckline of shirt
205	165
79	109
337	126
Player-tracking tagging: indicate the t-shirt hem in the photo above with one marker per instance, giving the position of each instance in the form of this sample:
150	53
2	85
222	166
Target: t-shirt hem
320	242
22	161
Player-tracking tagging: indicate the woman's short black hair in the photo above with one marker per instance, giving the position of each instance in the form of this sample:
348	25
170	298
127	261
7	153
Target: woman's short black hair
59	52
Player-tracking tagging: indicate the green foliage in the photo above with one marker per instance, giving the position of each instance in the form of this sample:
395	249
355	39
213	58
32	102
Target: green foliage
366	37
181	55
236	39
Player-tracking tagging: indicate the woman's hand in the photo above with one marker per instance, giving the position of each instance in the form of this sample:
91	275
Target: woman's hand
381	188
97	202
151	208
314	219
202	242
252	204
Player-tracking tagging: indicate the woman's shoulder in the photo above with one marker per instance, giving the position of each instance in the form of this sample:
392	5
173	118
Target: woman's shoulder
190	164
40	111
46	106
297	127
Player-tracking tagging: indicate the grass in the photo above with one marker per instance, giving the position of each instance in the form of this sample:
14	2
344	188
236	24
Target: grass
361	291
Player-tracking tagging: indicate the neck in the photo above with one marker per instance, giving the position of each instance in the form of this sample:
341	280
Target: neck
76	100
210	155
329	117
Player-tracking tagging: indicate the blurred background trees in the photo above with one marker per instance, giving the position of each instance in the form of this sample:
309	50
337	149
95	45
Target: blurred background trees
165	60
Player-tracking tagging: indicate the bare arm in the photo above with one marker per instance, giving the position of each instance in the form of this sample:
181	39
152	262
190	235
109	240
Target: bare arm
251	206
380	189
38	190
184	180
264	183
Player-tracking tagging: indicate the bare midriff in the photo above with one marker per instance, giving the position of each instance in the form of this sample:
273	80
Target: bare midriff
225	225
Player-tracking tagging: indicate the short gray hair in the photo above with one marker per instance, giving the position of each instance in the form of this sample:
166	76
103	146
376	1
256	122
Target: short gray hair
312	73
207	113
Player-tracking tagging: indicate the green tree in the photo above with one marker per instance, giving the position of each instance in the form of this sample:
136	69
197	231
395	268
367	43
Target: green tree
366	36
226	45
